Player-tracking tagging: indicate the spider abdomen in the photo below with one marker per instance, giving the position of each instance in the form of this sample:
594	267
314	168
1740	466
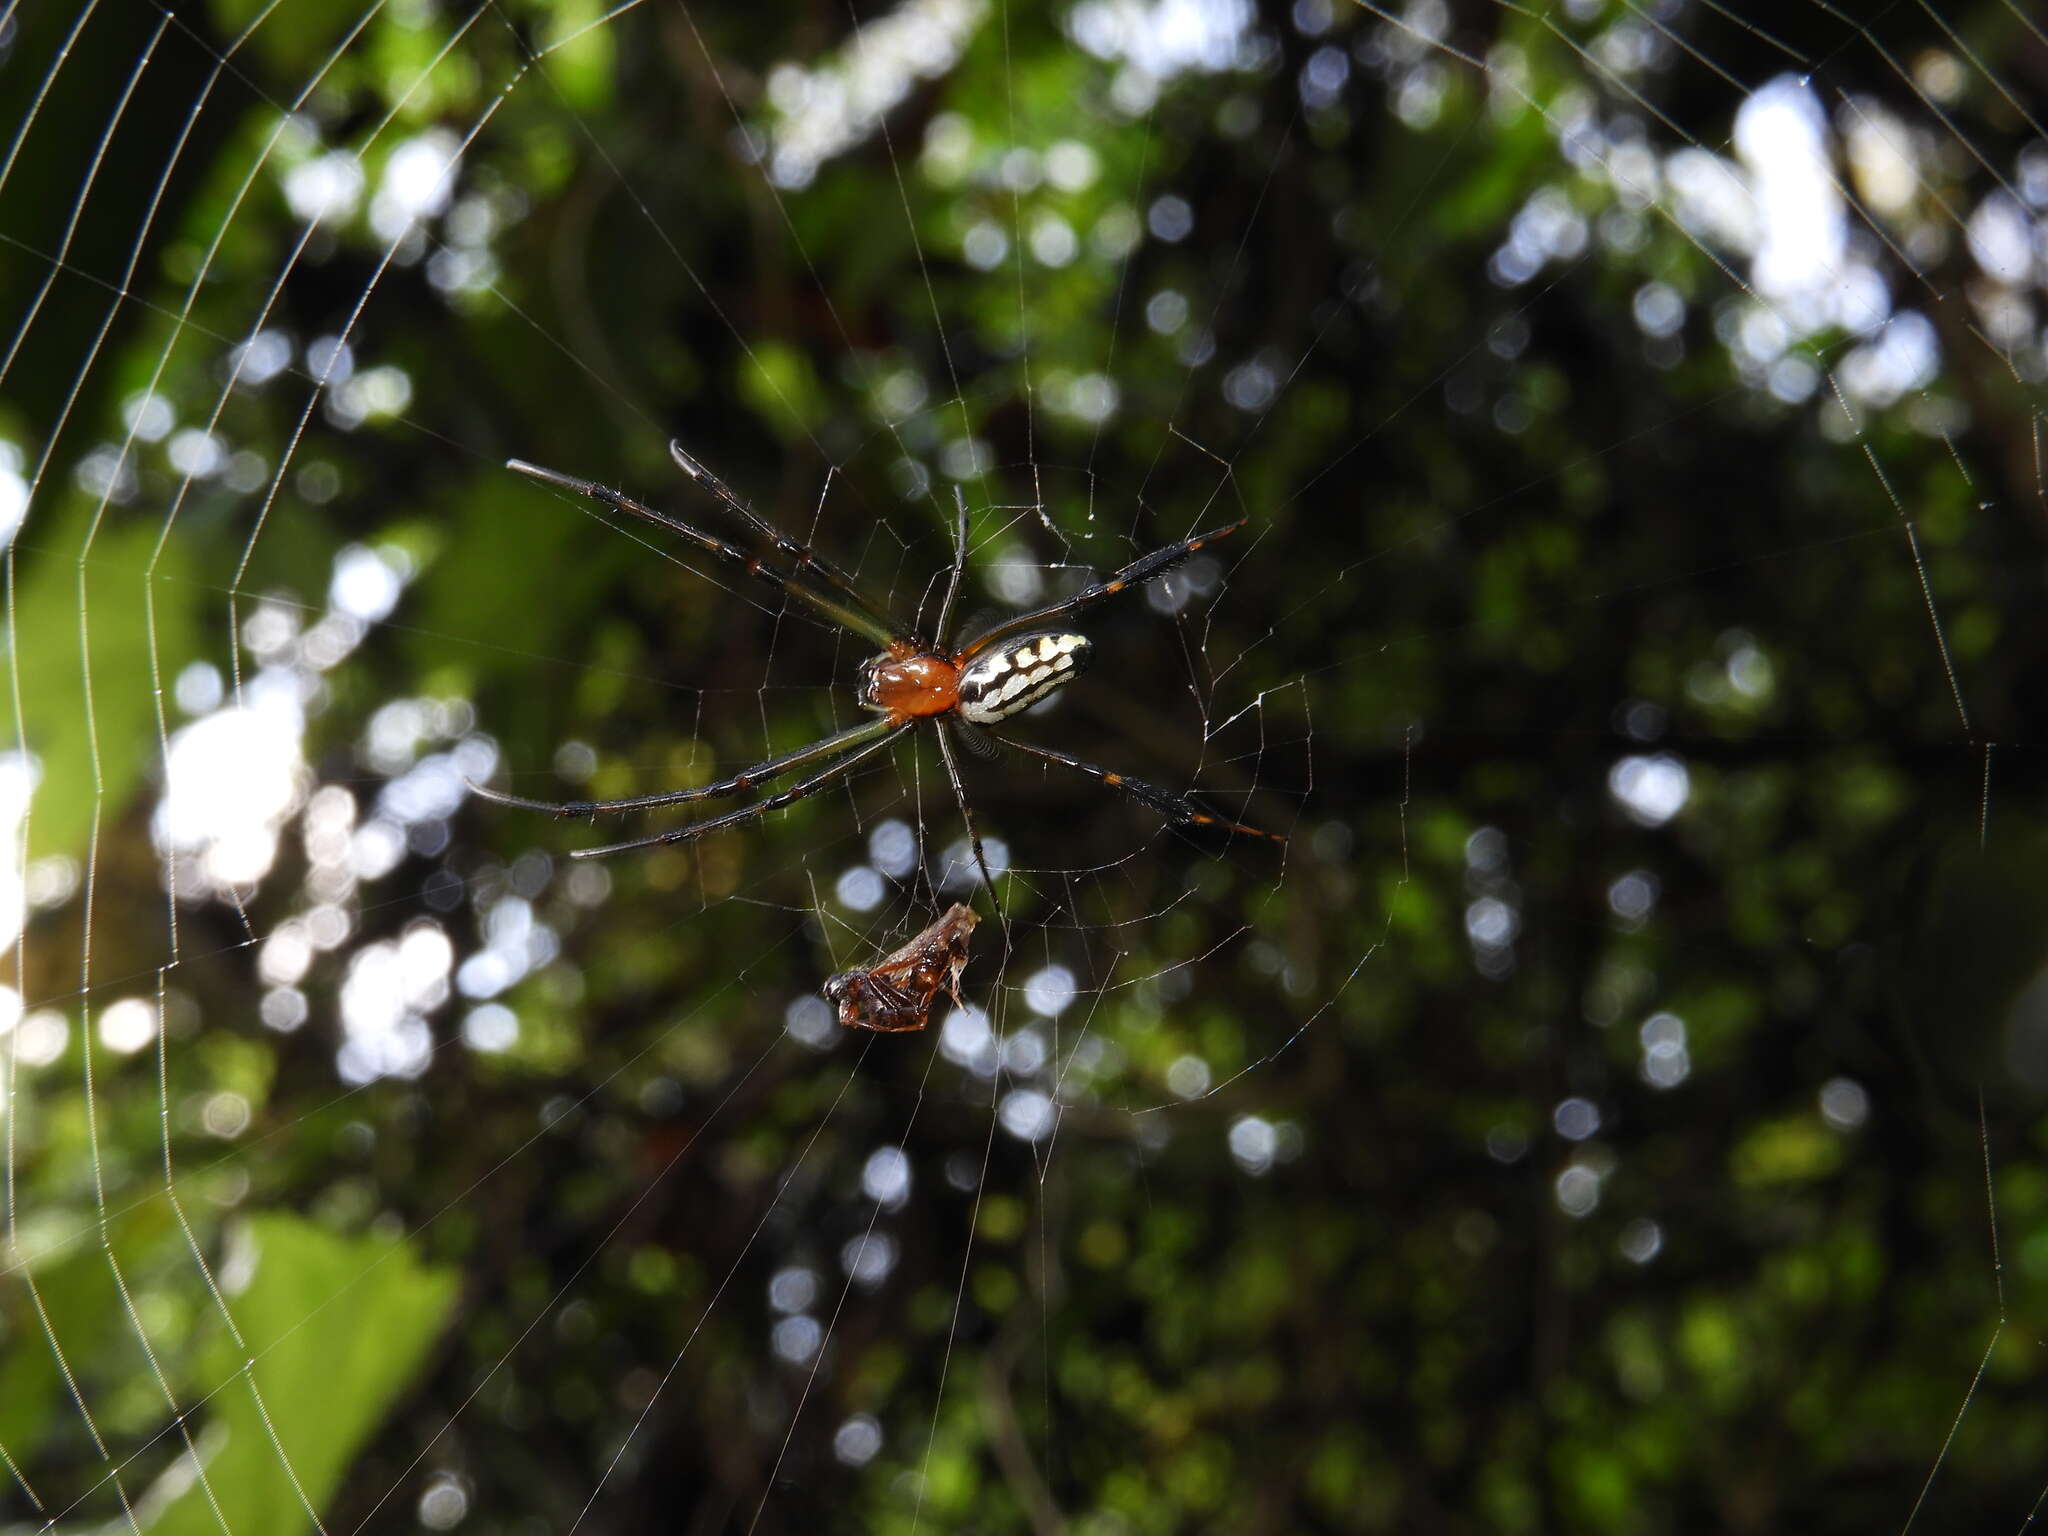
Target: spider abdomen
1000	682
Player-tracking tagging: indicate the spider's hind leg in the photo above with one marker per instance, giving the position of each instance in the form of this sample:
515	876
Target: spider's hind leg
1178	810
978	742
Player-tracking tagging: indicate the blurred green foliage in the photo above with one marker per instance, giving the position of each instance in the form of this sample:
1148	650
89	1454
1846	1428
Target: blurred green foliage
1499	543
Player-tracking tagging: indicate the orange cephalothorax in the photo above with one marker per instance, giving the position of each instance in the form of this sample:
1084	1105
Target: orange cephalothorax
910	686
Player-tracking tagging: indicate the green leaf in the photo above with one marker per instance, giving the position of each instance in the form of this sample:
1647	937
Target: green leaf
120	604
333	1328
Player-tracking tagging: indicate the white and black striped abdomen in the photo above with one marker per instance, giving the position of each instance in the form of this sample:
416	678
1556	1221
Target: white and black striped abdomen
999	683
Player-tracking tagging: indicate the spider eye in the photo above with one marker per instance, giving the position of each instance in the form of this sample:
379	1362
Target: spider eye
868	688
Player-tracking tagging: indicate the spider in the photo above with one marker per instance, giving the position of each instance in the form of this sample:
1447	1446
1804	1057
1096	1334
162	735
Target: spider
896	993
1001	672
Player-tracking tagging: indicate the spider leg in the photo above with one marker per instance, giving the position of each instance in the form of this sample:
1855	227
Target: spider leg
959	563
861	620
1141	570
738	784
956	967
1178	810
801	555
775	802
945	735
977	740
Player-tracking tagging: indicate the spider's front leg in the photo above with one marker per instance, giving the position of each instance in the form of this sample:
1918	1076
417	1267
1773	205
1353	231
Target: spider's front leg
738	784
881	730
